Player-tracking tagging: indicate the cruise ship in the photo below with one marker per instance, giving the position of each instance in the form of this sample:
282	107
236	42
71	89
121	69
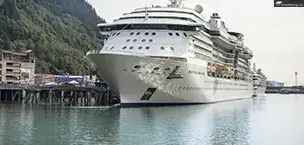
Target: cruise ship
173	55
259	82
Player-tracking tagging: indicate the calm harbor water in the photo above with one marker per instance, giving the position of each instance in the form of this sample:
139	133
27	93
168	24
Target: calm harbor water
271	120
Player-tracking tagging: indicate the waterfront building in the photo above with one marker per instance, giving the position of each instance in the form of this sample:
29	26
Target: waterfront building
274	84
43	79
17	67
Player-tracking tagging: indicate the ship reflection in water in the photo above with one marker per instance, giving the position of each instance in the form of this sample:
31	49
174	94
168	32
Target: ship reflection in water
275	119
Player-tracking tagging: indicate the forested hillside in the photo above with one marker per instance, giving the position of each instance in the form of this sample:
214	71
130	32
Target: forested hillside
58	31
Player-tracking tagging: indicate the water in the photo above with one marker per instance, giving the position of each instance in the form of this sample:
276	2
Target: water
271	120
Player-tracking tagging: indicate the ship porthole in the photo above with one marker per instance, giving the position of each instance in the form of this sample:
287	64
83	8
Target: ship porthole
131	33
151	40
167	69
153	33
177	34
137	33
147	47
140	47
112	47
124	47
147	33
172	48
170	34
134	40
128	40
156	68
144	40
185	34
131	47
137	67
162	48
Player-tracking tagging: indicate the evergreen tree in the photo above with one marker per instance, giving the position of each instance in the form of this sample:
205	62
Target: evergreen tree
59	32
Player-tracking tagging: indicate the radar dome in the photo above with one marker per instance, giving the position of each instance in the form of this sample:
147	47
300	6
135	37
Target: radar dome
198	8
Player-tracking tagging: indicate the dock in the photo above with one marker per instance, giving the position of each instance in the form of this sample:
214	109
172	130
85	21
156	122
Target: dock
285	90
63	95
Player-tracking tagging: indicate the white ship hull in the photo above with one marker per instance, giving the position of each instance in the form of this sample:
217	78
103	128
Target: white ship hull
194	88
260	91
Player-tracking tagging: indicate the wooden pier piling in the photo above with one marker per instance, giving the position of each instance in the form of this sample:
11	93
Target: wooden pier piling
58	95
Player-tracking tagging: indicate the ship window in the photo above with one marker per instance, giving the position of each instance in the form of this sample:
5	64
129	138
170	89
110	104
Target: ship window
170	34
151	40
153	33
128	40
112	47
124	47
156	68
134	40
106	47
131	47
162	48
185	34
131	33
147	33
117	34
177	34
113	34
140	47
147	47
167	69
172	48
137	67
144	40
137	33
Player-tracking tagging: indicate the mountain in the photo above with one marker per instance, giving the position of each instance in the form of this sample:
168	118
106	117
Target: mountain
59	32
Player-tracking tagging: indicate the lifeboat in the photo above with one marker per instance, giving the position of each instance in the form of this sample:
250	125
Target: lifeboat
221	36
246	53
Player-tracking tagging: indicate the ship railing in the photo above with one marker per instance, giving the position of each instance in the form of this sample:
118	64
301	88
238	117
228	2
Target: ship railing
227	72
227	53
144	8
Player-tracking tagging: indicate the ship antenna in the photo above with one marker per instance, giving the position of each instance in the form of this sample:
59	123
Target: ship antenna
216	7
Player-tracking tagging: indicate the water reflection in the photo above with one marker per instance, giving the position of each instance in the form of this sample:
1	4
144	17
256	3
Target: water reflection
49	125
230	124
15	128
251	121
203	124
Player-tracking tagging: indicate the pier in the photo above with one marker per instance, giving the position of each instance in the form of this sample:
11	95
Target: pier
63	95
285	90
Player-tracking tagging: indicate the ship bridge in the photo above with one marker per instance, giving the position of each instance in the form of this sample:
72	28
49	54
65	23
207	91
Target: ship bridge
154	31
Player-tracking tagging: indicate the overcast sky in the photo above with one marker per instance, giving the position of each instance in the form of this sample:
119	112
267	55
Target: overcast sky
273	34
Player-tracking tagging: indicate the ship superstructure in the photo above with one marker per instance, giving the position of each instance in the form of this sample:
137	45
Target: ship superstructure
259	82
173	55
